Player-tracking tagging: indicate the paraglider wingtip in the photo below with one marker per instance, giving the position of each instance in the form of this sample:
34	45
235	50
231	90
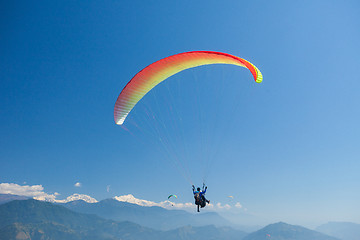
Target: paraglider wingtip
259	78
119	122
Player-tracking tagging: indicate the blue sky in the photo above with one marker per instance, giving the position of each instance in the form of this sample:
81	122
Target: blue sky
290	151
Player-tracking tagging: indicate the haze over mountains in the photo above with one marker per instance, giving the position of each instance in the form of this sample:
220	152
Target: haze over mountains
110	219
32	219
284	231
153	217
342	230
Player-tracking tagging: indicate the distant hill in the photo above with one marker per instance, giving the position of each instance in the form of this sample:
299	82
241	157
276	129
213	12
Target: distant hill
284	231
32	219
4	198
342	230
153	217
206	233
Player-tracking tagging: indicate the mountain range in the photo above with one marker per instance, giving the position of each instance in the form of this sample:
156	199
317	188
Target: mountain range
32	219
342	230
152	217
284	231
4	198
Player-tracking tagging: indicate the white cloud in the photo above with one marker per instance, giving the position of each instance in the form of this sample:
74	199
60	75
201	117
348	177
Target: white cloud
108	188
37	192
78	184
164	204
238	205
169	204
220	206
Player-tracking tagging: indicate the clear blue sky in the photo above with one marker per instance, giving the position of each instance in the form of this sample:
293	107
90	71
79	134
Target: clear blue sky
292	154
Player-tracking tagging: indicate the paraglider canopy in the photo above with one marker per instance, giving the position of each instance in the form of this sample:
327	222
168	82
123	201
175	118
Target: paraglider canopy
175	136
152	75
172	196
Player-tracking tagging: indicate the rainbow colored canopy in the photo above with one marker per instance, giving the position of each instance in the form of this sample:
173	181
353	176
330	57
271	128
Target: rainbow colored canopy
172	196
155	73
